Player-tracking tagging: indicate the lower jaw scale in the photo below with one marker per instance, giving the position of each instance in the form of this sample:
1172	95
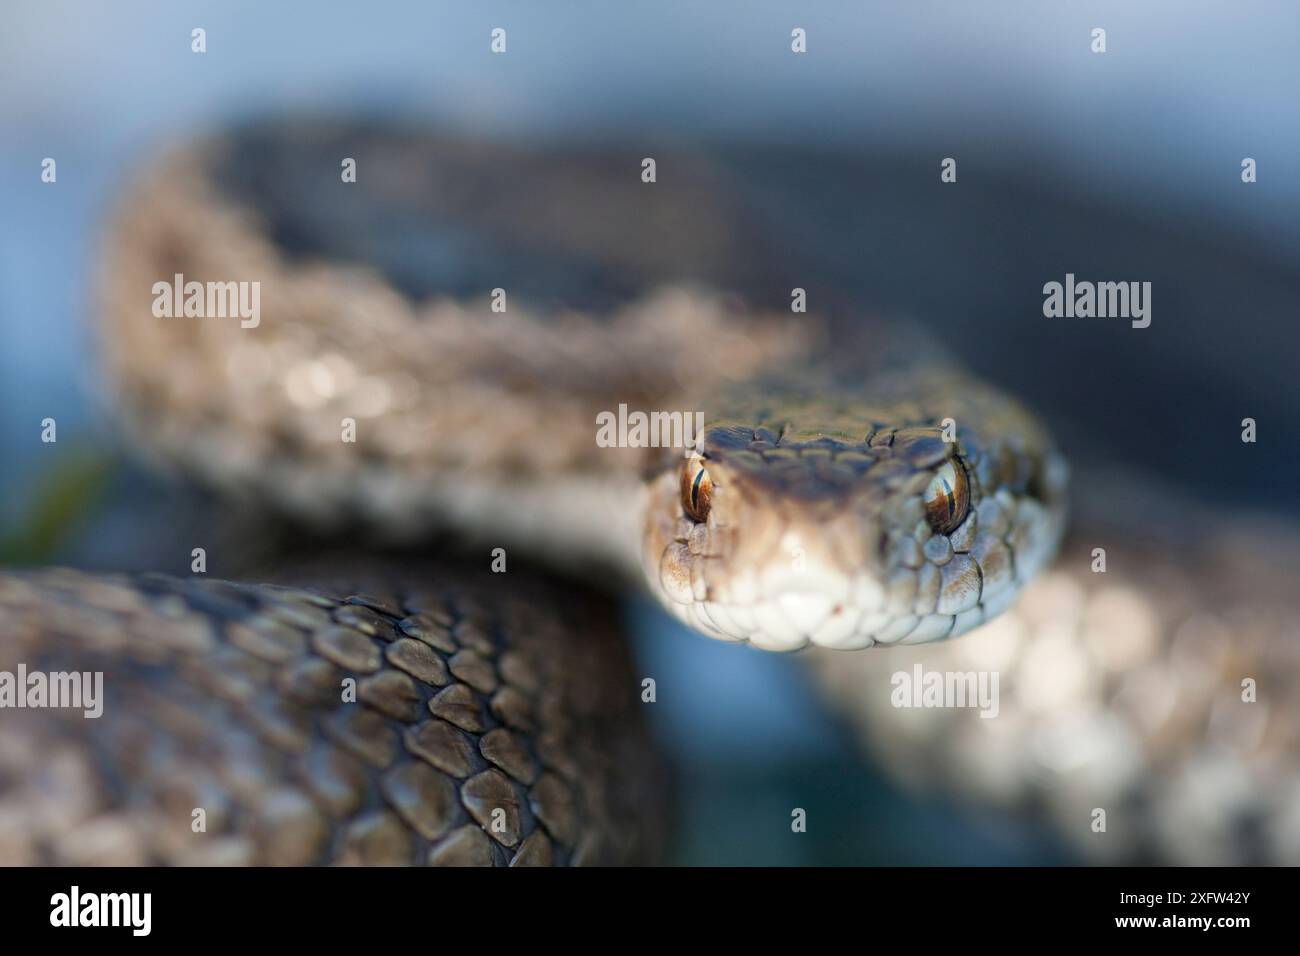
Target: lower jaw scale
792	620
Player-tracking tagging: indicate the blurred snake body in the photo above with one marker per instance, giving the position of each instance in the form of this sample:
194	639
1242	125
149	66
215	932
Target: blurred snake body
852	488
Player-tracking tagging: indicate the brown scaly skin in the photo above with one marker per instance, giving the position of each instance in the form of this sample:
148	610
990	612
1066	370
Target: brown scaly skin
482	420
229	697
356	324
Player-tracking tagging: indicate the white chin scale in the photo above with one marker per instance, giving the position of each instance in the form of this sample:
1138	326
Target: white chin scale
796	619
791	609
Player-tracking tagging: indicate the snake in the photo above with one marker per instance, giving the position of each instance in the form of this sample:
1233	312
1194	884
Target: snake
440	337
836	496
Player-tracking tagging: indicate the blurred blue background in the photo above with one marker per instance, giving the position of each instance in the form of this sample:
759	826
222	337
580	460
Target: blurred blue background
1157	126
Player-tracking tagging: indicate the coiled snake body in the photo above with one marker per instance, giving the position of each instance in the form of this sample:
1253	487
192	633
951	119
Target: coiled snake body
841	496
436	342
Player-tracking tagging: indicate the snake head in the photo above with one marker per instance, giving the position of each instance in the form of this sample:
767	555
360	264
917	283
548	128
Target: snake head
807	531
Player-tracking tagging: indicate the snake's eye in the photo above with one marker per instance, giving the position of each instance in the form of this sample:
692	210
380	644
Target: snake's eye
697	490
947	498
